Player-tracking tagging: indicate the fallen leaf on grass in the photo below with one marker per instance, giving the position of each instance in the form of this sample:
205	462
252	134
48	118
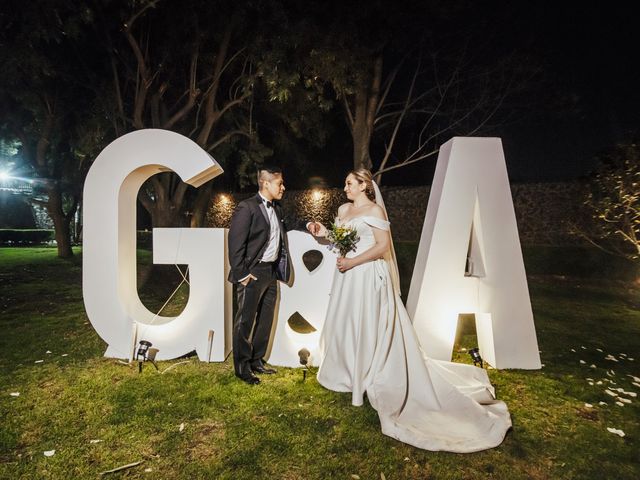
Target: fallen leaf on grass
15	394
609	392
181	428
602	403
355	477
38	361
599	349
573	350
635	379
611	357
48	352
583	347
616	431
64	355
588	405
620	404
592	366
95	441
49	453
147	470
636	384
625	400
582	362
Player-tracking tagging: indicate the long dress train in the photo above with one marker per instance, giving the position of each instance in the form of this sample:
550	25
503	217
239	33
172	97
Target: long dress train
368	344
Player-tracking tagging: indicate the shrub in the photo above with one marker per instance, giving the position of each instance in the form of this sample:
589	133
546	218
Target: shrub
25	237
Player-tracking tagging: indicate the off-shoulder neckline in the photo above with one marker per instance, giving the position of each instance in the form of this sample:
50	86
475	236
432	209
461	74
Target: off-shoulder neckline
363	216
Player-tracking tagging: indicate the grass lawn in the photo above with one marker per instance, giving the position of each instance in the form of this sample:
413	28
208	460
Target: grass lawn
197	421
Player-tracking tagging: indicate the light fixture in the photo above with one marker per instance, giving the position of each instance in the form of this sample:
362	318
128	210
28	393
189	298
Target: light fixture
303	355
475	356
146	354
316	195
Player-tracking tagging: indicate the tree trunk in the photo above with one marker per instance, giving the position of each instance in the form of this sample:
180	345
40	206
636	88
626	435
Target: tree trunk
165	204
367	99
166	215
361	131
201	205
60	222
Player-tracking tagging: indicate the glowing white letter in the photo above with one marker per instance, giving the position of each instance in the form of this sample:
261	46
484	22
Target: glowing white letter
470	214
109	241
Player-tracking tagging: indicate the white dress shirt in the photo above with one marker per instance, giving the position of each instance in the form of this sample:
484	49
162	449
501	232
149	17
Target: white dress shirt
273	248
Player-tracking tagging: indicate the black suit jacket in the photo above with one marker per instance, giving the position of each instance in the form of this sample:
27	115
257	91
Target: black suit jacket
249	237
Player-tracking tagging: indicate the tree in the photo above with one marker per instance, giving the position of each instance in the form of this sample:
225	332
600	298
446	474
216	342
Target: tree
614	203
48	101
404	83
181	67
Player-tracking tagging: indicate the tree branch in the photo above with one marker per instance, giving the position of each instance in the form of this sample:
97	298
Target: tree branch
226	137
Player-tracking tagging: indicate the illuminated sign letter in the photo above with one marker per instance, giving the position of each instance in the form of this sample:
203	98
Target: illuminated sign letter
109	248
470	261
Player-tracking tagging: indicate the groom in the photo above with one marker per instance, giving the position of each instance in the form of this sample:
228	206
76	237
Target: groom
259	257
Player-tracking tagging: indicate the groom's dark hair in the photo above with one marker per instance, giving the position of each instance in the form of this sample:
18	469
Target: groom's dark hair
264	169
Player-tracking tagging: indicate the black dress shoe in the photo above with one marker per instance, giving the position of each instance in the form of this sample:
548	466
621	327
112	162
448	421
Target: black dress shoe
249	378
263	369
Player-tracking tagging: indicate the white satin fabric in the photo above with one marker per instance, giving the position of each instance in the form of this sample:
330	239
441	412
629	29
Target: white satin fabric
369	346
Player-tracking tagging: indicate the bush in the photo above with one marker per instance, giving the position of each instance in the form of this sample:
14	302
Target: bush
614	201
25	237
145	239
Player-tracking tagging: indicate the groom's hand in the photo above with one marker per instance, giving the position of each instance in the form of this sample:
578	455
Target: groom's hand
313	228
316	229
246	281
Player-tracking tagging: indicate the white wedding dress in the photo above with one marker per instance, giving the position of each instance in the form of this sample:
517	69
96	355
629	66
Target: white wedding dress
368	344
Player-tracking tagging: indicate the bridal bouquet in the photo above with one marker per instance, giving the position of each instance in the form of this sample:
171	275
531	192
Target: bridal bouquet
343	239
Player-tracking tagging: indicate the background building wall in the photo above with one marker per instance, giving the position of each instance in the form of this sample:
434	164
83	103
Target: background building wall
545	212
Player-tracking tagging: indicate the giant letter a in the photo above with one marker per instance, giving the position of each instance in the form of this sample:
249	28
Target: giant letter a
470	260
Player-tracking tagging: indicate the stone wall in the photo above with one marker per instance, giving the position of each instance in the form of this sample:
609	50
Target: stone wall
544	211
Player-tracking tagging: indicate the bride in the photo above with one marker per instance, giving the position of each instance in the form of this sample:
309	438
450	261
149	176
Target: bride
368	345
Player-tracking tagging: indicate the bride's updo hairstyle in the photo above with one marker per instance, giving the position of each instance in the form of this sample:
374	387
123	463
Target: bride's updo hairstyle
364	176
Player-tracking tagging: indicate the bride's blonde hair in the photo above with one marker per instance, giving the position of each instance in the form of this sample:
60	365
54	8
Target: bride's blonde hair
364	176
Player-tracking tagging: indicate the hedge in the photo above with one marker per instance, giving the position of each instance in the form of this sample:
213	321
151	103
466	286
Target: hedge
25	237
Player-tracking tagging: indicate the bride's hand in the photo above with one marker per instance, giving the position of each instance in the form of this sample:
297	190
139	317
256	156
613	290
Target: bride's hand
344	264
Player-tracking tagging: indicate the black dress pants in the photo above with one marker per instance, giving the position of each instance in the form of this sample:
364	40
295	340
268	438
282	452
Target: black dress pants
254	318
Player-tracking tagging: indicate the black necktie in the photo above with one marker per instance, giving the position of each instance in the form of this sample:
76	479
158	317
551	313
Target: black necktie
268	203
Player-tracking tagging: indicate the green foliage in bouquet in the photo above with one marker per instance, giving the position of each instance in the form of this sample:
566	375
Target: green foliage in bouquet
343	239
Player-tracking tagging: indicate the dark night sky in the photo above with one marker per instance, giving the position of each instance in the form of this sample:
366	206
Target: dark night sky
585	99
590	52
